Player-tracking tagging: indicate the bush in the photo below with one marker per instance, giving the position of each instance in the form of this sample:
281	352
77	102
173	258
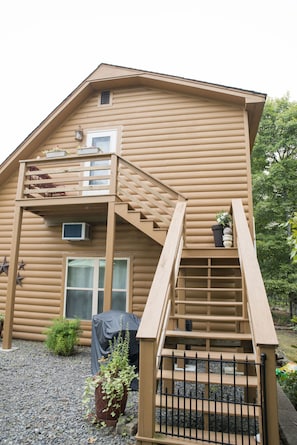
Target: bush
62	336
288	382
290	387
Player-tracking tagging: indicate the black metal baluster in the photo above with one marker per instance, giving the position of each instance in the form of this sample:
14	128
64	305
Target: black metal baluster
241	420
234	396
228	415
196	394
178	413
161	393
263	392
172	392
221	396
184	399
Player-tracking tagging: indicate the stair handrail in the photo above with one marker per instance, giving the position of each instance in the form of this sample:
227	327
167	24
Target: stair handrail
259	312
145	193
151	331
151	178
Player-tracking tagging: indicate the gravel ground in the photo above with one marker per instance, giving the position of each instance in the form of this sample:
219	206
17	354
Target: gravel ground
41	399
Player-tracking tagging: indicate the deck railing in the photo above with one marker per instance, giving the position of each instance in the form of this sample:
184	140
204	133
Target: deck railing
95	177
261	323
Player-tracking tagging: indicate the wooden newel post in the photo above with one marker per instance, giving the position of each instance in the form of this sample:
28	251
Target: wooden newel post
147	391
270	414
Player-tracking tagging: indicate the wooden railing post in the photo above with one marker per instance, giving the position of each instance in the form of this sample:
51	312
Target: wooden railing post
270	424
147	393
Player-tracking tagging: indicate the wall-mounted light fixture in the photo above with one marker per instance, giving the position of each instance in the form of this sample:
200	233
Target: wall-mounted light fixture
79	134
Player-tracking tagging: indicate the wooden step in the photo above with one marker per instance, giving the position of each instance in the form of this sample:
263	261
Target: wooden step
211	355
208	406
210	289
178	436
136	218
209	335
210	318
208	378
209	303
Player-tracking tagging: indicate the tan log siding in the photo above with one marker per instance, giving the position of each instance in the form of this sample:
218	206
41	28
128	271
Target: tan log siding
195	145
40	298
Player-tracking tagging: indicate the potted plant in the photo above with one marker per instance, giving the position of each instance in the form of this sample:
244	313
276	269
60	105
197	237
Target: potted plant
110	386
62	336
224	221
2	316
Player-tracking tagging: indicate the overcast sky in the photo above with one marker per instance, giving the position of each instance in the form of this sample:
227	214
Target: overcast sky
49	46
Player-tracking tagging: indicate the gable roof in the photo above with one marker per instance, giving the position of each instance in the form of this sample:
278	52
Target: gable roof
111	76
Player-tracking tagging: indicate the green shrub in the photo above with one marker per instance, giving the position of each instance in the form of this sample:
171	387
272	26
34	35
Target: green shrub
288	382
62	336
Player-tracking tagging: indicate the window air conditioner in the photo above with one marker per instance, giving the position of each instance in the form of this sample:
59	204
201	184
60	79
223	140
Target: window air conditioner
76	231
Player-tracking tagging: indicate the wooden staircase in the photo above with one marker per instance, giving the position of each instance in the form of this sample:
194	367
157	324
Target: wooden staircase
208	378
139	220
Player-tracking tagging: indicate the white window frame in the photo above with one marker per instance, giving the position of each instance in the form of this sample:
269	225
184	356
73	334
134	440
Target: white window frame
96	287
113	133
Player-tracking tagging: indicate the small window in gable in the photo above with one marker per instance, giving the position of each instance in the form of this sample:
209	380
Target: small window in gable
105	97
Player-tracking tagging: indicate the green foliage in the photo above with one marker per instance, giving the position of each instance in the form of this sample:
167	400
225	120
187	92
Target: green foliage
294	321
115	375
292	238
274	168
288	382
62	336
224	218
276	139
2	317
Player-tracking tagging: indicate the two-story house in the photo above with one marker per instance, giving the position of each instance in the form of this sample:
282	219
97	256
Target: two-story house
127	225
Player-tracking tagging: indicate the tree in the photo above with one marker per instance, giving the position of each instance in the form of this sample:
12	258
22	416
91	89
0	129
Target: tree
274	168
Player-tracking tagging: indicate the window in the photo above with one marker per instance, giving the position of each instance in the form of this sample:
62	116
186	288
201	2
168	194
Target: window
105	98
84	289
106	140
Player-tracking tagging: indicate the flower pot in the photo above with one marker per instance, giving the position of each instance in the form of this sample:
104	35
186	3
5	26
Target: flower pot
88	150
218	235
56	154
109	414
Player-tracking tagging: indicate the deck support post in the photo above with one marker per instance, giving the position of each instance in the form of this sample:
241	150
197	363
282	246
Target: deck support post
109	256
147	392
11	285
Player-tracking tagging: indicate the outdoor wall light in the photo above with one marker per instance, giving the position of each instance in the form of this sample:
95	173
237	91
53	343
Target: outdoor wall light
79	134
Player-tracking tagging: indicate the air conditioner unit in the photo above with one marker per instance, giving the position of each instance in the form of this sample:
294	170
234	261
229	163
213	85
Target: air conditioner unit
76	231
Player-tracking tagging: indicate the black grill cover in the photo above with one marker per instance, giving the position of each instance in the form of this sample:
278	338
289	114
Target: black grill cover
105	327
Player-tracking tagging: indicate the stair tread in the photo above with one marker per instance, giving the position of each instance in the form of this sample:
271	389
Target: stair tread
206	277
221	318
211	289
208	406
212	355
208	378
209	303
204	436
209	335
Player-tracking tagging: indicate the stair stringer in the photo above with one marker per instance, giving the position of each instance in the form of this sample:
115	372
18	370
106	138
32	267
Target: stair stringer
138	220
